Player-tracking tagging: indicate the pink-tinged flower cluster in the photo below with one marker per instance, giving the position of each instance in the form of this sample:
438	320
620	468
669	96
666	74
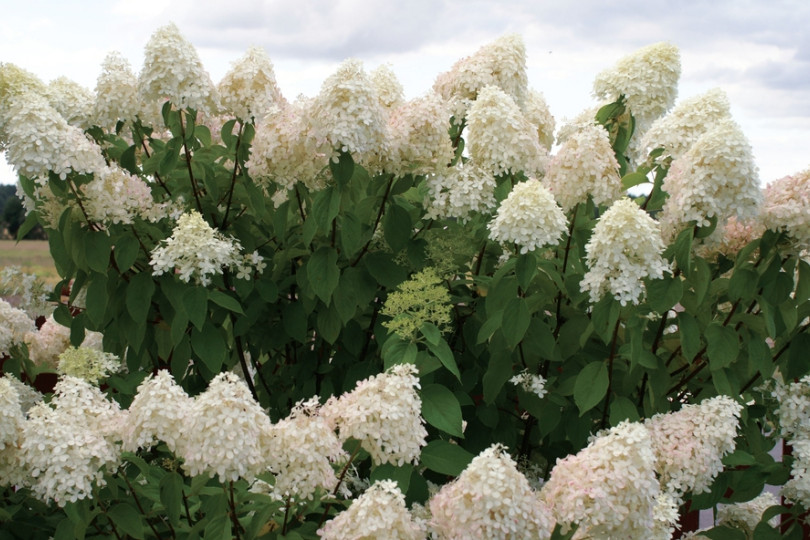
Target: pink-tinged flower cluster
785	207
378	513
491	499
585	166
116	93
383	412
499	137
625	249
731	237
690	444
249	90
115	196
501	63
609	489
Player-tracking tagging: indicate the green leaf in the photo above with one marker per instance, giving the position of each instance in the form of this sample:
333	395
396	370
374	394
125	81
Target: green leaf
516	319
139	296
225	300
171	495
97	298
663	294
127	519
343	170
328	321
325	208
170	157
323	273
621	409
384	270
634	179
441	409
490	326
219	528
445	458
294	321
431	332
723	345
442	351
499	370
690	335
397	227
591	386
803	285
525	269
401	475
743	284
195	300
125	252
683	250
97	251
209	345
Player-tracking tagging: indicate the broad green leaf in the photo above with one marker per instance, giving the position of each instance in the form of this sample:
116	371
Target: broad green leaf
397	227
525	269
689	334
499	370
492	324
445	458
97	251
442	351
723	345
591	386
683	250
127	519
634	179
225	300
294	321
342	170
328	321
139	296
209	345
743	284
171	495
323	273
621	409
440	409
516	319
195	300
387	471
125	252
663	294
382	268
431	332
97	298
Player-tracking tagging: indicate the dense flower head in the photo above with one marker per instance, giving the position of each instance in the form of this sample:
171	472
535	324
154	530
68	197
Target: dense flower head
383	412
116	92
226	432
539	115
690	444
90	406
716	177
745	516
285	151
14	325
530	382
46	344
501	63
172	70
647	78
794	408
500	138
378	514
797	489
301	450
87	363
731	237
11	414
608	488
348	115
585	166
73	101
685	123
390	93
249	89
40	140
529	217
115	196
418	134
785	205
459	192
490	499
158	412
584	118
625	248
419	300
29	291
14	82
195	250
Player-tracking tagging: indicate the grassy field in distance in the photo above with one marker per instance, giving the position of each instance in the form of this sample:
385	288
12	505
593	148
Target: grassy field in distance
31	256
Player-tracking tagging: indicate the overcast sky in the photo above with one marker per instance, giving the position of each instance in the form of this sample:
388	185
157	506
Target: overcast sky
757	51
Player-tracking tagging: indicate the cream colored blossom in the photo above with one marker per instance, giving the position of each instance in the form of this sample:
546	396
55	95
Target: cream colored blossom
690	444
14	325
797	489
529	217
383	412
172	71
794	408
490	499
87	363
745	516
116	92
12	420
226	432
530	382
585	118
625	248
73	101
29	290
608	488
499	137
249	89
390	93
419	140
647	78
14	82
379	513
115	196
46	344
459	192
538	114
585	166
785	207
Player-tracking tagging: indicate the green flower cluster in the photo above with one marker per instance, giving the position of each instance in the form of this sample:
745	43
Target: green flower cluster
421	299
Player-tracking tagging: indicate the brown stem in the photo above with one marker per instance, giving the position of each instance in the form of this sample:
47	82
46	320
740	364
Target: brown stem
339	482
610	373
558	324
146	151
377	221
194	186
233	177
140	507
234	519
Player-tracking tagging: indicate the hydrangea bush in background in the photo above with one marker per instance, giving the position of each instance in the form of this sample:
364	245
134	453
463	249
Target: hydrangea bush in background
359	316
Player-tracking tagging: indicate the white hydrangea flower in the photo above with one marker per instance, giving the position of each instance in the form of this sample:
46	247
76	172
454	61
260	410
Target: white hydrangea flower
286	151
15	82
500	138
12	419
490	499
716	177
158	412
585	118
301	450
73	101
51	340
14	325
529	217
459	192
31	292
89	364
794	408
418	134
745	516
27	395
383	412
797	489
226	432
115	196
786	201
90	405
625	248
378	513
194	251
390	93
585	165
116	92
530	382
172	70
647	78
501	63
690	444
348	115
539	115
666	516
249	89
731	236
609	488
681	127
